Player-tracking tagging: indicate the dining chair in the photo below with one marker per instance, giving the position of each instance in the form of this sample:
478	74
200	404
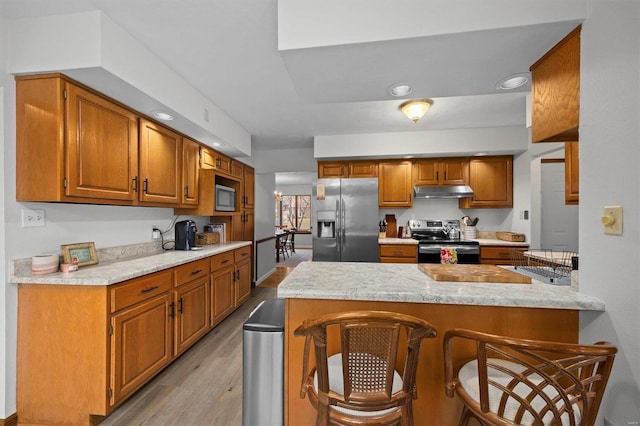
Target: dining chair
280	246
528	382
289	242
360	384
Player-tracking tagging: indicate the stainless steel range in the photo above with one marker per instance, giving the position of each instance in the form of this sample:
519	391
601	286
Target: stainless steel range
435	234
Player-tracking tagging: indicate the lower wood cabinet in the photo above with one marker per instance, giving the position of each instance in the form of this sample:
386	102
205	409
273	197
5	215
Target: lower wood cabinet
84	349
398	253
498	255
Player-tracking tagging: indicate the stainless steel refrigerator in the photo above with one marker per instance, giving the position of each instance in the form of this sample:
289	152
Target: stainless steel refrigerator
344	220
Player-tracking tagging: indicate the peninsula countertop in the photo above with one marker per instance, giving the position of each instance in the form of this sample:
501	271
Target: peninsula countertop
394	282
116	271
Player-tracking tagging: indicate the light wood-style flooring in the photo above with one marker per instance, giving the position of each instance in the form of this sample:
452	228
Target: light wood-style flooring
204	385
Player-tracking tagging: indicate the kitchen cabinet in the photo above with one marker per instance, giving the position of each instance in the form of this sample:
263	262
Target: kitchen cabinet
348	169
248	185
242	259
499	255
222	164
73	145
571	173
441	171
191	304
222	286
395	184
398	253
104	342
491	179
160	163
190	175
555	92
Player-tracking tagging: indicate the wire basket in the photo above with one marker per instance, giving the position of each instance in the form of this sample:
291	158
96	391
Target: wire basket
551	264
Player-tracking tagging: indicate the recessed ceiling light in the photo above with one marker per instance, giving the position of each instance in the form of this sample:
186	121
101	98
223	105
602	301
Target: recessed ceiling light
217	144
160	115
513	81
400	89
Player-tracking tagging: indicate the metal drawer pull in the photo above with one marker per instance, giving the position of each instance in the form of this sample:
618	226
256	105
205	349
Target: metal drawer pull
148	290
225	261
197	271
180	305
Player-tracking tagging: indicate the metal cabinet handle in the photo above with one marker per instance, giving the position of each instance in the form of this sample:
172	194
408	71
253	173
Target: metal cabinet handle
149	290
238	275
186	191
180	305
145	186
135	184
225	261
197	271
172	312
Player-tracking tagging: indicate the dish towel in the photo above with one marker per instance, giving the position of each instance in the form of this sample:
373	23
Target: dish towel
448	255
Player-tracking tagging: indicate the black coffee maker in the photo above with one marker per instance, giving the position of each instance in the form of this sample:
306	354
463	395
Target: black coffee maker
185	234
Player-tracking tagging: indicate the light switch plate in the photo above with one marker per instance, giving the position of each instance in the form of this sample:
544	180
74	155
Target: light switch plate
612	220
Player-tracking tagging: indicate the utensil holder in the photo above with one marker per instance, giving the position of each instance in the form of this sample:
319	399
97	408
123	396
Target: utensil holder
470	233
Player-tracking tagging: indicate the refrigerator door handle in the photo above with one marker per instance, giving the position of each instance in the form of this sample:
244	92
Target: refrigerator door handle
343	227
338	227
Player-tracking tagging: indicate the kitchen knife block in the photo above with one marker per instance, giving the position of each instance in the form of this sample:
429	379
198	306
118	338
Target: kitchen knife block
392	226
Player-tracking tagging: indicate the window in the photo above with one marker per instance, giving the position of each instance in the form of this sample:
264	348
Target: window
294	211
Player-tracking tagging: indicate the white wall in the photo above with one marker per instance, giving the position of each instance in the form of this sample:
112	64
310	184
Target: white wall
609	175
264	224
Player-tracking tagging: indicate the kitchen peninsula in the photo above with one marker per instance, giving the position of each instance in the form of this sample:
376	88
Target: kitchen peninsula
536	310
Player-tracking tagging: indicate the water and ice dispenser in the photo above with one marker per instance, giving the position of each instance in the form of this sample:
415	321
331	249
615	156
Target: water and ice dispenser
326	224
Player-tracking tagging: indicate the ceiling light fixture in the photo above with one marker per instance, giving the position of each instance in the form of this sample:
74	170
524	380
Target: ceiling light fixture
513	81
165	116
416	108
400	90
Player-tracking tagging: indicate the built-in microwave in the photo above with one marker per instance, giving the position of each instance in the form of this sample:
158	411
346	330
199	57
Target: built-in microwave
225	199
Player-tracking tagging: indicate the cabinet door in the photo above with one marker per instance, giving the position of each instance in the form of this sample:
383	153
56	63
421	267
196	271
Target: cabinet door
555	92
571	173
394	185
363	169
101	147
207	158
160	164
141	345
222	293
237	169
192	313
223	164
491	179
454	171
190	175
332	170
243	282
249	183
248	225
427	172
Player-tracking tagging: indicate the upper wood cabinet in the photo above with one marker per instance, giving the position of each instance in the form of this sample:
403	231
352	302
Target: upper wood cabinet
248	183
190	175
223	165
556	92
73	145
348	169
395	185
491	179
441	171
571	173
160	164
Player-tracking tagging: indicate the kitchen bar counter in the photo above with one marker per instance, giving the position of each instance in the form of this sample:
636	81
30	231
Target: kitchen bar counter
393	282
119	270
534	311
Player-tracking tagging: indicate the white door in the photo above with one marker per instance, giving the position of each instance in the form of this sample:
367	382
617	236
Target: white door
559	221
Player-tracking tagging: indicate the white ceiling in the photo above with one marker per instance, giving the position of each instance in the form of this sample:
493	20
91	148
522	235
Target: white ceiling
228	50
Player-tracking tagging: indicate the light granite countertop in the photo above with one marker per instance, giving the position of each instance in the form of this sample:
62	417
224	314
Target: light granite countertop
394	282
397	241
117	270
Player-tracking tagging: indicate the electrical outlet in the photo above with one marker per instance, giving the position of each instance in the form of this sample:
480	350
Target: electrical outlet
32	218
155	233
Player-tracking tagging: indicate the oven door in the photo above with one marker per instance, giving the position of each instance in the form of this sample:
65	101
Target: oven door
430	253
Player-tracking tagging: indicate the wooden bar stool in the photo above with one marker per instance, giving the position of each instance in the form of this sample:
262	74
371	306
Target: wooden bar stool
527	382
360	385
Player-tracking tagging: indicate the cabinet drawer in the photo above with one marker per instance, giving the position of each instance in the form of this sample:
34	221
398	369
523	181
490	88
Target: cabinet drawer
222	260
131	292
398	260
191	271
399	250
498	252
242	254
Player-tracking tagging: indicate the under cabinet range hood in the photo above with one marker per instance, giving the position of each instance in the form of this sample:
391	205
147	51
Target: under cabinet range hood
447	191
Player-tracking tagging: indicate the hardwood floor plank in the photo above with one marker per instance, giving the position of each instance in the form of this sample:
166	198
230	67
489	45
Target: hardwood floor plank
203	386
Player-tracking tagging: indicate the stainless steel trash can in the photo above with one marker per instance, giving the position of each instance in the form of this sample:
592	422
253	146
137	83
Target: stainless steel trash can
263	365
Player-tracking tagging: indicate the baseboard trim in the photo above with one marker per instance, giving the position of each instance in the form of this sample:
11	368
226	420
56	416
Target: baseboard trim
12	420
